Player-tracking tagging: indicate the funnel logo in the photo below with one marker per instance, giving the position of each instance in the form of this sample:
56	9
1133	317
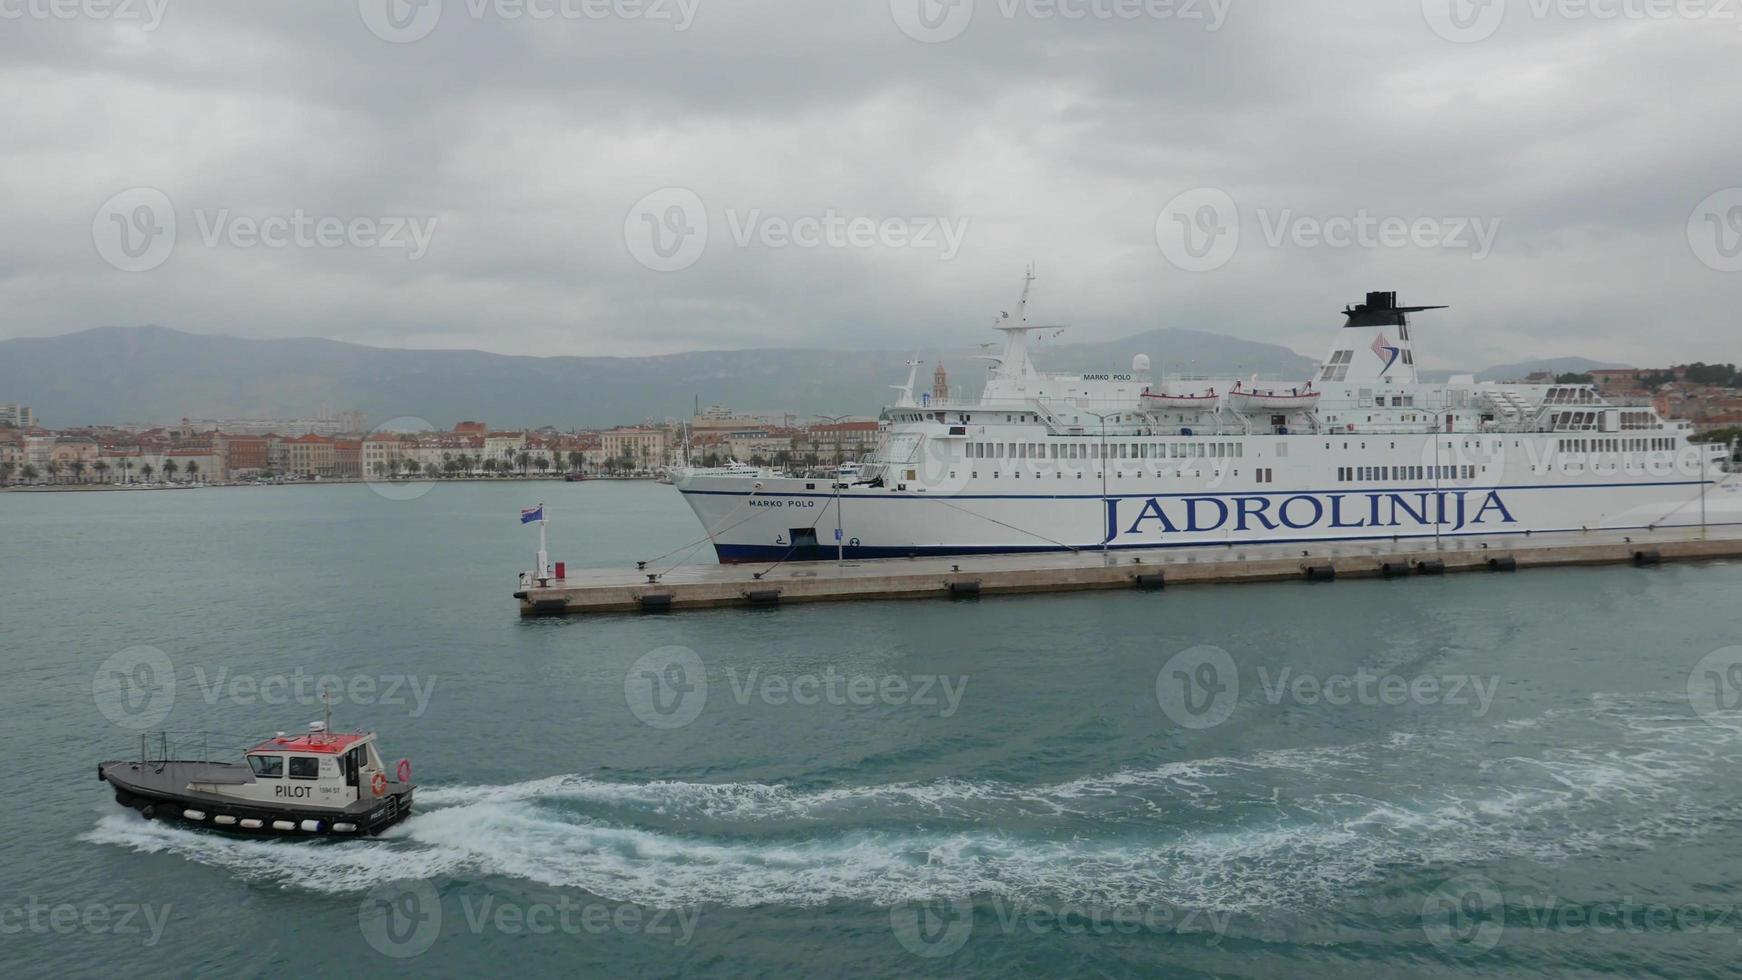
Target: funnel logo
134	231
1465	913
1715	231
135	688
667	230
400	21
934	928
1464	21
1199	231
1386	351
401	919
1199	687
666	688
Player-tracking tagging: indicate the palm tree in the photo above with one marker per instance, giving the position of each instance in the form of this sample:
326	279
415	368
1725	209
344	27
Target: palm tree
78	468
146	471
193	470
380	468
53	467
126	465
465	462
28	473
542	463
102	468
489	465
575	461
451	465
523	459
6	469
169	468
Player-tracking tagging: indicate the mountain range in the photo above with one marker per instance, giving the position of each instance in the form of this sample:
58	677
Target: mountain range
157	375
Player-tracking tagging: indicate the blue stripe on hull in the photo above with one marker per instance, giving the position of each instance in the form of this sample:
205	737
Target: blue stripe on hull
735	554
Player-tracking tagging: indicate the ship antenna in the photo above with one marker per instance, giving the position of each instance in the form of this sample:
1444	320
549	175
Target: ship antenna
327	704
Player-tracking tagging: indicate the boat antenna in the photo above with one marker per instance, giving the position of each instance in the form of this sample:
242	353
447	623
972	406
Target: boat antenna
327	704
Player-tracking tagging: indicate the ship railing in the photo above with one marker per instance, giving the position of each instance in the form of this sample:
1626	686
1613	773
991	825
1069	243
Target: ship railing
159	747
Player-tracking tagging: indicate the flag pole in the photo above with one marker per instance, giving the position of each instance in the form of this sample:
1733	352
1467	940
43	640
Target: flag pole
543	555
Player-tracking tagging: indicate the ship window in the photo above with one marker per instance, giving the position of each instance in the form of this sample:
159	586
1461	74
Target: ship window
267	766
305	767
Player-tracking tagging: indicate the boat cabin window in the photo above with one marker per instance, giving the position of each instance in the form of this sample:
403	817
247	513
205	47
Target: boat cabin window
267	766
305	767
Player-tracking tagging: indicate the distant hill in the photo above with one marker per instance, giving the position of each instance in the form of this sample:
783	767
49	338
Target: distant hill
1521	370
154	374
157	375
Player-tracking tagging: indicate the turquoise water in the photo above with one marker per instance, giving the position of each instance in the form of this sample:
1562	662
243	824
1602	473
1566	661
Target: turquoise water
1470	776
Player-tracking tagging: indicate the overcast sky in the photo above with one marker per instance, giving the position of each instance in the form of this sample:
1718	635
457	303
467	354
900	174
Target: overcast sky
657	175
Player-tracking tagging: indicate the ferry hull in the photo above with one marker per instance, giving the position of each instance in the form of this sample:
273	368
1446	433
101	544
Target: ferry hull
784	521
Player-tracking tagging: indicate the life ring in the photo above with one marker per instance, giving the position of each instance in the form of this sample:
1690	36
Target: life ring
378	783
403	770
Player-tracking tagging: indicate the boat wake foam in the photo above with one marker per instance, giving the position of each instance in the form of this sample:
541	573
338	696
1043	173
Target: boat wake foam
1240	835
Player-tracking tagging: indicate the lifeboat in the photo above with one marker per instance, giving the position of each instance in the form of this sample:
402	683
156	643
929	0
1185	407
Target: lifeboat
1204	401
314	784
1293	400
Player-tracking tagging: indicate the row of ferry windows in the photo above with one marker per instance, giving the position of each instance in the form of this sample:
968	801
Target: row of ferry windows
1379	474
1114	450
1615	445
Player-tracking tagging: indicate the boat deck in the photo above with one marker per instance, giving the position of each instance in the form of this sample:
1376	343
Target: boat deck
705	586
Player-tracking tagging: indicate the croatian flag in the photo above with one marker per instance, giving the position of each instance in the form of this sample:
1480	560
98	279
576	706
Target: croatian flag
530	514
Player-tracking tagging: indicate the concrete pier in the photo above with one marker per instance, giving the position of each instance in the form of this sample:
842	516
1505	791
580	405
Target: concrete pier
705	586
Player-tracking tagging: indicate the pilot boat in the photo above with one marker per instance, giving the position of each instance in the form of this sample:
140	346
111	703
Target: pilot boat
319	783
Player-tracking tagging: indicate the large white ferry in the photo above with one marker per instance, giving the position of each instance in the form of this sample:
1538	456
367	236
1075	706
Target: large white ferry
1362	450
